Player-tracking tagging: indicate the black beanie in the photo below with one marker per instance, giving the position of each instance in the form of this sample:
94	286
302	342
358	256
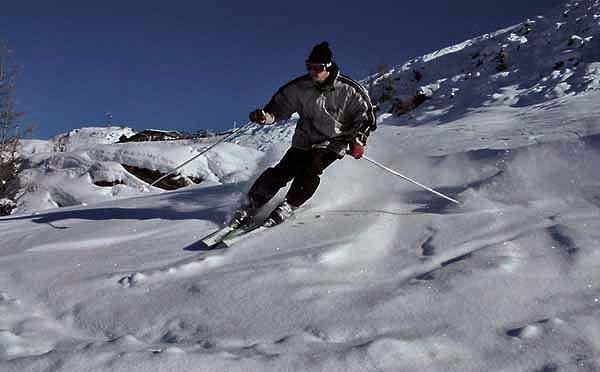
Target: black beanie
320	54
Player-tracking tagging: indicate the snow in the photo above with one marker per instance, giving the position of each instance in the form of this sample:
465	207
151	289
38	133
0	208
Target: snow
84	137
372	274
68	178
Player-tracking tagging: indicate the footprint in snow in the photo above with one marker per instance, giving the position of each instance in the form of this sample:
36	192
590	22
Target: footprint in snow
534	330
560	234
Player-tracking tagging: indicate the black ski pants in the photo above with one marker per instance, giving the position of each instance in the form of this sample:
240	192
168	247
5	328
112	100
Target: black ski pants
302	167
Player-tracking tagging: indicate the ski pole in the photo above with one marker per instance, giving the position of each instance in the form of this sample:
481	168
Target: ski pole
410	180
200	153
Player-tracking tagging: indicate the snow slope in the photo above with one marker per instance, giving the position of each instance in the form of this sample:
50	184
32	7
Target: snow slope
372	274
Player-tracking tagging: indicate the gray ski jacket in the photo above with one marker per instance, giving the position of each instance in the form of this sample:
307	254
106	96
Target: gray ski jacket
331	113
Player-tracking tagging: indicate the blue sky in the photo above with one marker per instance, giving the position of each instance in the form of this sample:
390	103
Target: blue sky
192	65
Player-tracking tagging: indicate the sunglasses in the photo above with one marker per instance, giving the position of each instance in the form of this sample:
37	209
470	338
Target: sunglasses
318	67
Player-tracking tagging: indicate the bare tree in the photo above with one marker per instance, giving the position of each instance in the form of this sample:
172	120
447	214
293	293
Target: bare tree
9	135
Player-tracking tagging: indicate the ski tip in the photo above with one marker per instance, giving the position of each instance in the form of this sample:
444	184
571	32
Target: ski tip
198	246
217	236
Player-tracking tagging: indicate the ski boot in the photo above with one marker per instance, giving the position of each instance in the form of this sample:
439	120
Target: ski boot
244	214
283	211
240	218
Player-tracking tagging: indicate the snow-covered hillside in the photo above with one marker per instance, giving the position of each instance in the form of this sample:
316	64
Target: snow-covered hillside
372	274
88	166
543	58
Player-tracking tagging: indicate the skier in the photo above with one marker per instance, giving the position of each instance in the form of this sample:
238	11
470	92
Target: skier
336	116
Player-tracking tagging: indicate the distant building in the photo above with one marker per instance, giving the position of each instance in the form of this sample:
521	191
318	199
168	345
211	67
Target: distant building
153	135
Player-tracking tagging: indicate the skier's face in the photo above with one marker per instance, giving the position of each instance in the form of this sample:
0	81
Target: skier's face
318	76
317	72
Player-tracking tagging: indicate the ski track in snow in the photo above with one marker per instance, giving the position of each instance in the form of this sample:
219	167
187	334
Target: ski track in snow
89	243
325	262
386	350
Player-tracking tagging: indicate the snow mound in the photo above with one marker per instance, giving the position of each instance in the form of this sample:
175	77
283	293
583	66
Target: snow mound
95	172
88	136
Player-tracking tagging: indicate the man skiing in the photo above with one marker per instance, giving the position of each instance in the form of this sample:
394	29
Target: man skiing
336	116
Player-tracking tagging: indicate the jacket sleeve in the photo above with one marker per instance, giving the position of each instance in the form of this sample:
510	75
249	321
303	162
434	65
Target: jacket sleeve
361	113
283	104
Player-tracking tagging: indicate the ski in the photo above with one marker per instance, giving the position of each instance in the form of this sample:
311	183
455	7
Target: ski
229	234
217	236
242	233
